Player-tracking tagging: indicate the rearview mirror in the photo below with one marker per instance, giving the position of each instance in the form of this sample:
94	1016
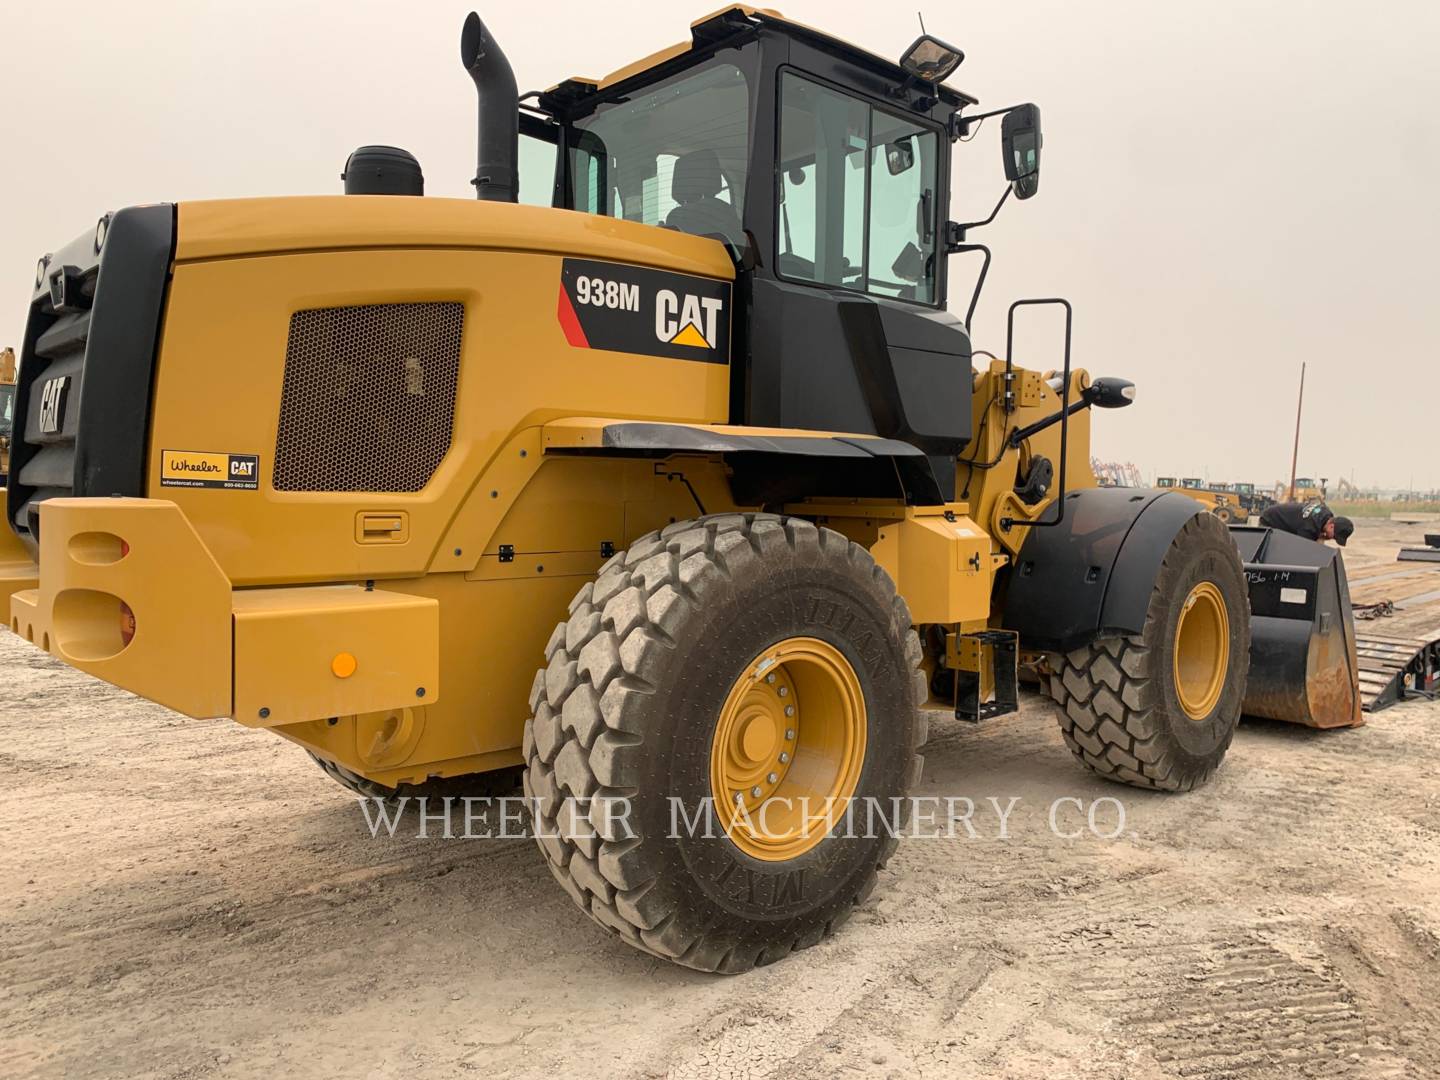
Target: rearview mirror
1021	140
900	155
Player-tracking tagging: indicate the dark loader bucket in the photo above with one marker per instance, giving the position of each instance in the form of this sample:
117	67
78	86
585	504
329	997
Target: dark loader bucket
1303	667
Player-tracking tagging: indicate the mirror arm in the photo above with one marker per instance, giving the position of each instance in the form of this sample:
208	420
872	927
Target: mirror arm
960	125
955	231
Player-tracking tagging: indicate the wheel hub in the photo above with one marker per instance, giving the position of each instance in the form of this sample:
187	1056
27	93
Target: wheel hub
788	748
1202	650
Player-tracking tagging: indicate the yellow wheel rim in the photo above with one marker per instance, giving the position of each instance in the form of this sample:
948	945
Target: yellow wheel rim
1202	650
788	749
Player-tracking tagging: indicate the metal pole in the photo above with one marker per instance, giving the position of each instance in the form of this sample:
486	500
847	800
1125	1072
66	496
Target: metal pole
1295	456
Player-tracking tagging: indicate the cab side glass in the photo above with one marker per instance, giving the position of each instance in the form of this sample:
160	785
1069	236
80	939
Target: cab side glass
537	171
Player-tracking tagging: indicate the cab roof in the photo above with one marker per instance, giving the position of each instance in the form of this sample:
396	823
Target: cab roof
723	23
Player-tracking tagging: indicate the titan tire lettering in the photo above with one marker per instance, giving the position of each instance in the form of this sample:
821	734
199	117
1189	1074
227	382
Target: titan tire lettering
790	888
747	882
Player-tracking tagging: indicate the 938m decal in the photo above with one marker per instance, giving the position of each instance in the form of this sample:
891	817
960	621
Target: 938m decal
632	309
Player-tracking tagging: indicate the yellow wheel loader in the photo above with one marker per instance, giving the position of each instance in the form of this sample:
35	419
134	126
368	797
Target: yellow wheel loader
679	494
1221	502
7	409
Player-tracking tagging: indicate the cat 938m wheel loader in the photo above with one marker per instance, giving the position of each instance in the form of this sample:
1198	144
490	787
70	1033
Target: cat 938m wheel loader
696	436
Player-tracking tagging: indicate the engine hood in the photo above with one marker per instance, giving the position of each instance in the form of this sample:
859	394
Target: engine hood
228	228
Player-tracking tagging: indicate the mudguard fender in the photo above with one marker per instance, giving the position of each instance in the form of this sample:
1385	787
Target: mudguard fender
1091	575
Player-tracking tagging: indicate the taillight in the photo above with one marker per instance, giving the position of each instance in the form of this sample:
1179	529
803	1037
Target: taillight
127	623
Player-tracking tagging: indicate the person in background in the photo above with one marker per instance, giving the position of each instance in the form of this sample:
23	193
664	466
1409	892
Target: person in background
1312	520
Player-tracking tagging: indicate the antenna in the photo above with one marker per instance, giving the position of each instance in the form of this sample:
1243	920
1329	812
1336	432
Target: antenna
921	16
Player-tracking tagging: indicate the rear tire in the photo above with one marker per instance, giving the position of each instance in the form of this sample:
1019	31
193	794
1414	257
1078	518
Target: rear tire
634	706
1134	712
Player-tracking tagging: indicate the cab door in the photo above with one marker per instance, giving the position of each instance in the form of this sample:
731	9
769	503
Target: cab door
848	330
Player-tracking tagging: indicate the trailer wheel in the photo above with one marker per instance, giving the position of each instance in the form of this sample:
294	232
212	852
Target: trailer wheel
719	697
1158	709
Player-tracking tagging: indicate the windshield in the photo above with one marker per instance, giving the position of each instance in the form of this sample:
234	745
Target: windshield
674	154
7	408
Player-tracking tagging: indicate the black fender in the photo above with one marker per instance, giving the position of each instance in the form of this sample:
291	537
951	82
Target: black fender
769	467
1090	576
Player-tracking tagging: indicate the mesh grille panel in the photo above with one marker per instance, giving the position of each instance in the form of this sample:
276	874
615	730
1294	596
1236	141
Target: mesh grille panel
369	397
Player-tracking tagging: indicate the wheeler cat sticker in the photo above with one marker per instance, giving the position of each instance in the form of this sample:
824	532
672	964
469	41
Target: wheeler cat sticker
633	309
199	469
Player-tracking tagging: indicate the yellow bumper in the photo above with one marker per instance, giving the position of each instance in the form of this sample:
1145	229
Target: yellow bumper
267	656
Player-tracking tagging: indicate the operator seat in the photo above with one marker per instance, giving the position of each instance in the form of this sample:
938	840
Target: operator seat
694	184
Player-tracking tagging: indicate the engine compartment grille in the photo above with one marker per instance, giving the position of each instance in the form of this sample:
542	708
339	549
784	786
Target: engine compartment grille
87	363
368	402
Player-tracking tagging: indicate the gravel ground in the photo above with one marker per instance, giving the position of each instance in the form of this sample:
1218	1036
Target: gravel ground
191	899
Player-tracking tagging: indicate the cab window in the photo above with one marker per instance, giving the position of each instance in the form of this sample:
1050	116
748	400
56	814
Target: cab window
856	189
672	155
537	170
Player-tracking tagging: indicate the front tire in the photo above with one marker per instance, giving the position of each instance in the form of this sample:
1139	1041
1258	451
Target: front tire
1158	709
681	670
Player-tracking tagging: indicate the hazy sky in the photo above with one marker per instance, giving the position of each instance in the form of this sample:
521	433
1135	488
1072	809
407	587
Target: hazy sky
1229	187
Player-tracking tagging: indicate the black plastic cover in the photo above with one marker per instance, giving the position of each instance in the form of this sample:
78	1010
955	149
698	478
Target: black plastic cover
835	360
383	170
1092	574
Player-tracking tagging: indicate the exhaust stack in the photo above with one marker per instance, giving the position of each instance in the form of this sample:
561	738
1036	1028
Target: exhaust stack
497	174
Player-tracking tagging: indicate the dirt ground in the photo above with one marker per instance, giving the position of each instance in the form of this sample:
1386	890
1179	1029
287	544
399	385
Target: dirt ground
193	899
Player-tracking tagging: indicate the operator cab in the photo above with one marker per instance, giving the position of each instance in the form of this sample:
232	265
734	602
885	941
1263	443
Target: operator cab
825	170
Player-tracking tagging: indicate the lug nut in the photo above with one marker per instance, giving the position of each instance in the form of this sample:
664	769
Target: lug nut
784	756
789	733
739	796
770	678
772	778
789	710
755	791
